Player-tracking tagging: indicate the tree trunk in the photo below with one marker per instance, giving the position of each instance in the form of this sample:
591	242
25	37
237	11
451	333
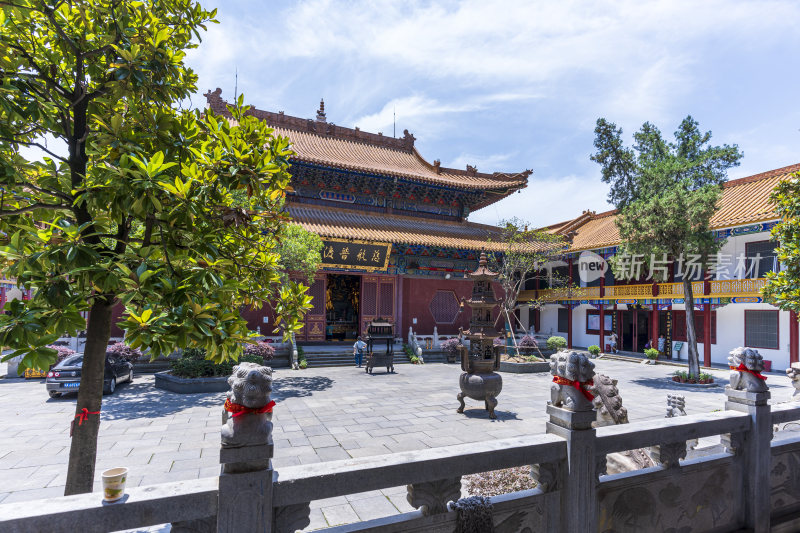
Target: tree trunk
511	330
691	336
83	449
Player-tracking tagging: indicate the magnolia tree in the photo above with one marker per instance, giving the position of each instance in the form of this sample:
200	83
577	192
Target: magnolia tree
174	214
666	193
525	253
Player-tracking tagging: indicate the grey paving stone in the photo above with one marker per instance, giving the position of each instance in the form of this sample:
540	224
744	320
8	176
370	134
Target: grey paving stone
339	514
332	453
374	507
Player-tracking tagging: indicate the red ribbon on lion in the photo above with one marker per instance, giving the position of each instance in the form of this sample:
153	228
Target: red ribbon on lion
238	410
577	384
743	368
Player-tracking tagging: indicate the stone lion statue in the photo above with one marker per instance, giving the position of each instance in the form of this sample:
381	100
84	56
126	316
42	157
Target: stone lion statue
573	372
247	417
751	364
794	374
608	402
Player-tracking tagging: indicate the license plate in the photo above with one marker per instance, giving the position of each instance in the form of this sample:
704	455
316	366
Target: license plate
71	385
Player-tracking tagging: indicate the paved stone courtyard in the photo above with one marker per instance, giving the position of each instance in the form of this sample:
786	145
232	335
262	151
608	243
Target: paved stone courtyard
322	414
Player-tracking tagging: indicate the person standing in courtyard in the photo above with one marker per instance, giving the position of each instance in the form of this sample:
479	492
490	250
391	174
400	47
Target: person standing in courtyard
661	344
358	351
614	342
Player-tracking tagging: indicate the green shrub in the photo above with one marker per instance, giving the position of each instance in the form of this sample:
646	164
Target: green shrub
301	354
556	343
409	351
414	360
303	364
651	353
594	350
193	364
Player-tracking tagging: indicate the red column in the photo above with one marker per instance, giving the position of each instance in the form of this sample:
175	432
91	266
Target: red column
654	326
794	337
569	327
707	335
602	328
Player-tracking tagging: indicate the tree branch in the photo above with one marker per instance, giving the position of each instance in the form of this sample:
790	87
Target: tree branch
32	207
38	145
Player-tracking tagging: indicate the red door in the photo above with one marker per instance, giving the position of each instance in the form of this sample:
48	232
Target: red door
314	328
377	300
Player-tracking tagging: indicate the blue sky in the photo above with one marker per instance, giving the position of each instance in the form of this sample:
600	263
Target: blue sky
509	86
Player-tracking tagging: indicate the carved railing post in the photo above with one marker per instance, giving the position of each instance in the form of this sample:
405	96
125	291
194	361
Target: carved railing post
245	484
749	393
668	455
571	415
432	497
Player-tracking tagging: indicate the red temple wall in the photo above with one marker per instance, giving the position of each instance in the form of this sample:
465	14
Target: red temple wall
417	296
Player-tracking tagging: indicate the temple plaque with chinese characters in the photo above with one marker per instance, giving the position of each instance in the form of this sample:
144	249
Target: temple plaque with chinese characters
362	255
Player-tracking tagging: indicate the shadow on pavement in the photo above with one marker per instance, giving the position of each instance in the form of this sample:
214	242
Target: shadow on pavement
298	387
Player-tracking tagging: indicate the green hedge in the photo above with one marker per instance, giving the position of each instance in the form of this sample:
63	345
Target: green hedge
193	364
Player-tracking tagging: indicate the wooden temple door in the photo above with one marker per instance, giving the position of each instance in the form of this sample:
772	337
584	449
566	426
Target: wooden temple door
377	300
314	328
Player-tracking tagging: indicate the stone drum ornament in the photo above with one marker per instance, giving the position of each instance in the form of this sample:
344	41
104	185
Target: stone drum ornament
746	366
479	380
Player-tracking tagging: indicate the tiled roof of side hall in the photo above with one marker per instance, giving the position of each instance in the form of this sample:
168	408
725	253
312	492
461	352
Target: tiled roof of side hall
323	143
743	201
347	224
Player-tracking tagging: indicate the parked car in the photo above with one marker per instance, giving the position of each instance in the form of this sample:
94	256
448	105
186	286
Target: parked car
65	377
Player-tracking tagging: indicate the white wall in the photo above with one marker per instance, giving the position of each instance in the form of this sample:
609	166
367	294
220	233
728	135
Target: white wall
548	324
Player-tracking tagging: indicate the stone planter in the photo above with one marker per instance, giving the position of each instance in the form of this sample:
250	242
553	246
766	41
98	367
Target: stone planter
693	385
524	368
166	381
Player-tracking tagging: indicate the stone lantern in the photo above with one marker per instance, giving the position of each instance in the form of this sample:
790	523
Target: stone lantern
479	380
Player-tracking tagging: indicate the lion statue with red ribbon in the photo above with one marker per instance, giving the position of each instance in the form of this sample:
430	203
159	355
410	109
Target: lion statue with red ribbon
247	415
572	381
746	366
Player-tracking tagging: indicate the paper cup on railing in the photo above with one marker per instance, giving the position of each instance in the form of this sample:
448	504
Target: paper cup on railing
114	483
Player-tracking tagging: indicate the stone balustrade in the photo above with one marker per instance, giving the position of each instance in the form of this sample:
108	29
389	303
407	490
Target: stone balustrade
750	483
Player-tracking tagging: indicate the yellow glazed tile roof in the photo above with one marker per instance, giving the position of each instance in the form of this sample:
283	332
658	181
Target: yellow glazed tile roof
320	142
743	201
349	224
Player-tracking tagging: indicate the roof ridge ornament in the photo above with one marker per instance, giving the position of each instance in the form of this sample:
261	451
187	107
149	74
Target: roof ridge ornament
321	111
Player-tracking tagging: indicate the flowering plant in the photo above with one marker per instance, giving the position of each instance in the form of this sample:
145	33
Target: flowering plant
124	352
63	352
260	349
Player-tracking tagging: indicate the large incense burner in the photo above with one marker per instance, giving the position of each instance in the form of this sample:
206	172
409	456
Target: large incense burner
479	362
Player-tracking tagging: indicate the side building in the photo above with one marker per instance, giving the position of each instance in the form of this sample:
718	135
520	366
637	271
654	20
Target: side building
729	308
397	244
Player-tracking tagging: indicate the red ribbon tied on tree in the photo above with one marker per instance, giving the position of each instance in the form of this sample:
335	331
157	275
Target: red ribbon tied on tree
577	384
743	368
84	415
238	410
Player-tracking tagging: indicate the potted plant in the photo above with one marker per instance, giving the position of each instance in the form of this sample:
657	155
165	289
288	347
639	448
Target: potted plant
594	350
414	360
451	348
692	379
556	343
652	355
676	376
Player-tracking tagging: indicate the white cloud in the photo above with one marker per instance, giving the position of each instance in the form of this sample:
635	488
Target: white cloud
411	110
548	200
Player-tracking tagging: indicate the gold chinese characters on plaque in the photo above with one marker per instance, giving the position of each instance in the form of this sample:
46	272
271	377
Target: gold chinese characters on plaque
361	255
